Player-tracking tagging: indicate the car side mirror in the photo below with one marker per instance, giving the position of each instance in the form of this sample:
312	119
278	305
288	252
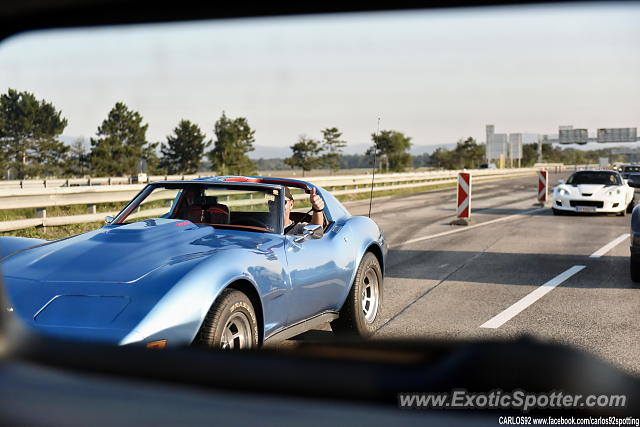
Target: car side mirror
561	182
311	231
634	181
108	219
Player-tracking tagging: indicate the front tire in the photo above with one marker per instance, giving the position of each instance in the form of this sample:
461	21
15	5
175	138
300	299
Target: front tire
632	204
557	212
230	323
360	310
634	268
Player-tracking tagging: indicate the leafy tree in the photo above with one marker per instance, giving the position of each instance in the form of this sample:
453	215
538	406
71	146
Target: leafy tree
332	147
391	147
234	139
353	161
306	154
28	132
78	160
443	158
421	160
467	154
271	164
573	156
184	149
529	154
121	147
49	158
150	161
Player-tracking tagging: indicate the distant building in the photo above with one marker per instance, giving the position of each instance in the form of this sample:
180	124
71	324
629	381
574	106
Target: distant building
496	144
507	146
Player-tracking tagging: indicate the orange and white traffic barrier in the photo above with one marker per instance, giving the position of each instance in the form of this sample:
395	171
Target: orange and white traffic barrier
464	196
543	188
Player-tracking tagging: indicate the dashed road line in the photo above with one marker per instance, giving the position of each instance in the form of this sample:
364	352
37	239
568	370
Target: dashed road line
606	248
466	228
515	309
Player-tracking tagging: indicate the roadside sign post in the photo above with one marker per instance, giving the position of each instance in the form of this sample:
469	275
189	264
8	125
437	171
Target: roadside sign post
543	188
463	211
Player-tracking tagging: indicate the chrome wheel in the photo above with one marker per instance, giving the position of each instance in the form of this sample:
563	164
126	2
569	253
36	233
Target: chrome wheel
370	293
237	333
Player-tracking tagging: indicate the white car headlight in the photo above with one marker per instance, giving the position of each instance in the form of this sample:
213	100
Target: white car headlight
613	192
563	192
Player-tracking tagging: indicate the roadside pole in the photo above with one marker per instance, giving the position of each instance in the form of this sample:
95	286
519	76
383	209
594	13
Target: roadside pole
543	187
463	211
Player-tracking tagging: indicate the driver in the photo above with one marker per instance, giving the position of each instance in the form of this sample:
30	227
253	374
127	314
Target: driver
317	205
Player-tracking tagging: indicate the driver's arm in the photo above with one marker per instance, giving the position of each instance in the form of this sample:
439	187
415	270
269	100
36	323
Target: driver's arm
318	205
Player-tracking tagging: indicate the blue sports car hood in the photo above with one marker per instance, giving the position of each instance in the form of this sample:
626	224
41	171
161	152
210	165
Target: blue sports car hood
123	253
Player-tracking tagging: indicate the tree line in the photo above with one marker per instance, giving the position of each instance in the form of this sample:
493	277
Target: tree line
30	128
470	155
29	145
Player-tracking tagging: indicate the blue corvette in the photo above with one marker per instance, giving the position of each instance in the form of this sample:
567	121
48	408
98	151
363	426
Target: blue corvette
206	262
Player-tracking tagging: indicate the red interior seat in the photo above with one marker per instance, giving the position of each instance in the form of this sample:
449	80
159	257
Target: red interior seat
218	214
196	214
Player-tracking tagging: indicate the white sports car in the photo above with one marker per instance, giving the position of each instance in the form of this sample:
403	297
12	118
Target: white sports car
600	191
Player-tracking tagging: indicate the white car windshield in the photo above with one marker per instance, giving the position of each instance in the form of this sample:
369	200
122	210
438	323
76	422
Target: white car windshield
598	178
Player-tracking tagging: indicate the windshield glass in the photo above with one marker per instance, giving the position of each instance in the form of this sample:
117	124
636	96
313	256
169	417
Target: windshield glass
631	169
598	178
242	208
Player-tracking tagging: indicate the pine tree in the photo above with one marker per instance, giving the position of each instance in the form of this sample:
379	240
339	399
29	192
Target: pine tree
28	135
234	139
78	163
121	146
306	154
393	146
184	149
332	146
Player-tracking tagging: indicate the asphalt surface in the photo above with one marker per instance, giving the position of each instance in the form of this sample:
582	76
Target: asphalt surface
447	286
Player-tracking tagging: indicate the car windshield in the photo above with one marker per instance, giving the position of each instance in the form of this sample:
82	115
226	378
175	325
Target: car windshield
631	169
238	207
598	178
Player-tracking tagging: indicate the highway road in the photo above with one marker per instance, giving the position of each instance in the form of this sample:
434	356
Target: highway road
485	281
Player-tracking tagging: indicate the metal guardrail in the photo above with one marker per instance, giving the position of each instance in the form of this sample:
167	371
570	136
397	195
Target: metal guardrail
88	182
559	167
41	198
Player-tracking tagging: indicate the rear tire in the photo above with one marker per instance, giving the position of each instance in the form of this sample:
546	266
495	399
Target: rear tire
230	323
360	310
634	268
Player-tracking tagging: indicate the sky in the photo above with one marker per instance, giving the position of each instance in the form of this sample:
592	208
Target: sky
437	76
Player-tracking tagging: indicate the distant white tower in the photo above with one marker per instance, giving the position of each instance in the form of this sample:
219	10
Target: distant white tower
489	140
490	132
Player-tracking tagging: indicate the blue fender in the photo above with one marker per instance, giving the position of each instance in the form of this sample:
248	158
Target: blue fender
10	244
179	314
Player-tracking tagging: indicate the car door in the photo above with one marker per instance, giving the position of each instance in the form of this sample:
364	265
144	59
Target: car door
320	272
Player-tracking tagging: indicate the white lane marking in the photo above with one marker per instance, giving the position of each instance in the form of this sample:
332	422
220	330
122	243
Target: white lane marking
515	309
469	227
606	248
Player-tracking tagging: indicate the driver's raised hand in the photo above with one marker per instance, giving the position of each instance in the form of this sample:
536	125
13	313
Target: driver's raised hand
316	201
